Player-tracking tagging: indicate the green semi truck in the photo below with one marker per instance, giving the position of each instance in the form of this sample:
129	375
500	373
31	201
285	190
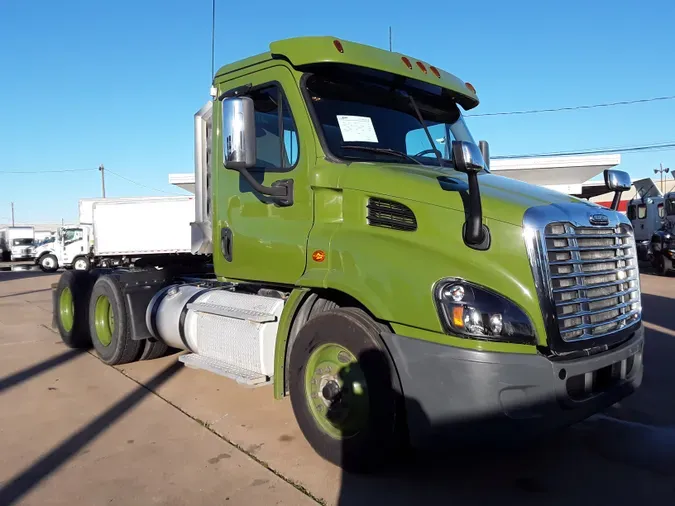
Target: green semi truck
352	248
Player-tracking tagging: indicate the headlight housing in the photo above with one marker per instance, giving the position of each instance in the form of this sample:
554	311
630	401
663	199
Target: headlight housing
468	310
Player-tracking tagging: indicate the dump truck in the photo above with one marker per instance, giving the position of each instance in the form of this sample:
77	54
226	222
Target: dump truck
353	250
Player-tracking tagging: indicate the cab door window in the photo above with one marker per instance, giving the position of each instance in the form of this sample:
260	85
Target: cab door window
642	211
276	134
631	212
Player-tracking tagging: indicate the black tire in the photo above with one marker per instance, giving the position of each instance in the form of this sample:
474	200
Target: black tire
117	347
49	263
80	285
81	263
660	265
371	447
153	350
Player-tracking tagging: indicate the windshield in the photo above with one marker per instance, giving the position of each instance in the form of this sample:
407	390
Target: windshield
373	118
22	242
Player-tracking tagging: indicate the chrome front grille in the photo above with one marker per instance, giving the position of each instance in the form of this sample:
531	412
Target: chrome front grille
593	279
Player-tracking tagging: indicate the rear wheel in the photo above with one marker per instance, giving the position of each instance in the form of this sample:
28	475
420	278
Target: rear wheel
71	308
153	350
342	390
81	264
49	263
109	323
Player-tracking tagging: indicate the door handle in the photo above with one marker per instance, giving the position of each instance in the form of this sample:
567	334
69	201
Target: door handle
226	243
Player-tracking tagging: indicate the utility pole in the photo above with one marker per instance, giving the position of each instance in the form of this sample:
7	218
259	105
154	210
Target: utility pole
12	213
102	169
661	170
390	45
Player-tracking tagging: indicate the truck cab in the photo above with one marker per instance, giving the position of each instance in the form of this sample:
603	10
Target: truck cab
16	243
365	261
69	248
662	238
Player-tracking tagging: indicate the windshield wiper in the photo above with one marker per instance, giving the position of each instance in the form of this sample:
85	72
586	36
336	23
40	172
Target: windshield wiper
386	151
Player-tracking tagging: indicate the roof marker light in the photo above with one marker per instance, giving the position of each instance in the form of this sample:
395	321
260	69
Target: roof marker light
338	46
435	71
470	87
422	67
407	62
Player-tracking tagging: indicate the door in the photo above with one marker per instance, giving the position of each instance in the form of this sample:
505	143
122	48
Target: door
254	237
72	245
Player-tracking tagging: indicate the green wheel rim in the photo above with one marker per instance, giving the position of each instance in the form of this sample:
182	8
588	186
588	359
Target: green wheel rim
104	320
66	309
336	391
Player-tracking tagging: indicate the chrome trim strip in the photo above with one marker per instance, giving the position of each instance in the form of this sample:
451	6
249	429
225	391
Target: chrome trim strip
590	248
595	299
577	274
596	261
593	287
594	312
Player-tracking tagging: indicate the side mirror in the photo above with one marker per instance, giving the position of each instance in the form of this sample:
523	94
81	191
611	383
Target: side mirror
467	157
239	142
617	180
239	148
485	151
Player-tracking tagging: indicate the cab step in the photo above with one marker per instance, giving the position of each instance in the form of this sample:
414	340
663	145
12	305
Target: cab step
241	376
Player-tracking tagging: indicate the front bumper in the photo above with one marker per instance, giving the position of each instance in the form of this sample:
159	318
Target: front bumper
22	255
460	394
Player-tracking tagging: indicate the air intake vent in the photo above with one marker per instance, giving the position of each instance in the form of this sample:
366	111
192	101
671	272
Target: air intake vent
389	214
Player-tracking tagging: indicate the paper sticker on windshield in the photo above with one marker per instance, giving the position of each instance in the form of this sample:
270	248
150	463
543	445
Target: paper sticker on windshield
357	129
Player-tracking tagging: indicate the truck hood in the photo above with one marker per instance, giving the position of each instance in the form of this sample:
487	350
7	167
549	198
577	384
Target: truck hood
504	199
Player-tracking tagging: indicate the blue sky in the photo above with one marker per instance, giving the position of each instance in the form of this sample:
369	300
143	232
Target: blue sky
84	82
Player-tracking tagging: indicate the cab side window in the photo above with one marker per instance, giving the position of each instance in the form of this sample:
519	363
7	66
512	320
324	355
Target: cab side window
642	211
662	212
276	134
631	212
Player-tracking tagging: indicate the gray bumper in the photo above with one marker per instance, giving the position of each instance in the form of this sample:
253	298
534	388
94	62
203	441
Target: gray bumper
454	393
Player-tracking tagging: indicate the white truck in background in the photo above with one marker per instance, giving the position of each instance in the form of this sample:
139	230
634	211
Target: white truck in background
16	243
122	231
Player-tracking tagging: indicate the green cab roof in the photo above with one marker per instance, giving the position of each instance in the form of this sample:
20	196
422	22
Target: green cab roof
304	51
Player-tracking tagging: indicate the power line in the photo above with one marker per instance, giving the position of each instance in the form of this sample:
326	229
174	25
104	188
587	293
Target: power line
573	108
665	146
42	171
140	184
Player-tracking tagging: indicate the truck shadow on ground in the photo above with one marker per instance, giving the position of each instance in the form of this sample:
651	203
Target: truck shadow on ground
624	455
35	370
14	275
23	482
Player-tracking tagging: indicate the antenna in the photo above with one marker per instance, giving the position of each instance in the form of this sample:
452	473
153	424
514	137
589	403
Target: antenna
213	39
390	45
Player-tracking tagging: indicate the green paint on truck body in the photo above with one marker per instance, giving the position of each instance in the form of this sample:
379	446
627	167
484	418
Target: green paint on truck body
391	272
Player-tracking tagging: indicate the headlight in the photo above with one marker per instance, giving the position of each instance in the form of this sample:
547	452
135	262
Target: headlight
467	310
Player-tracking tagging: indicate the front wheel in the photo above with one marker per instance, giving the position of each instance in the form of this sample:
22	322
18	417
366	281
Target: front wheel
49	263
342	390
